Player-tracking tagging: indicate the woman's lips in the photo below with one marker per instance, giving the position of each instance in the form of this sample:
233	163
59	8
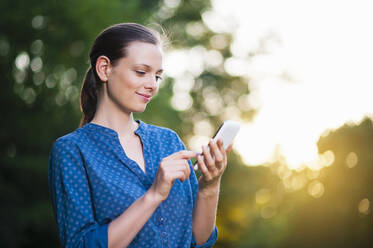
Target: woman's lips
145	97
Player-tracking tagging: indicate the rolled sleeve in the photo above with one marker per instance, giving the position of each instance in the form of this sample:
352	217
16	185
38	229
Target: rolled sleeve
95	236
71	198
209	243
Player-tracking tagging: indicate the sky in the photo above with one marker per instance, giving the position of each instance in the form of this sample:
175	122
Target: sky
315	74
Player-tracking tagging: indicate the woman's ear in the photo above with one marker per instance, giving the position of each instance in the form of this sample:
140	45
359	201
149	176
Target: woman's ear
103	68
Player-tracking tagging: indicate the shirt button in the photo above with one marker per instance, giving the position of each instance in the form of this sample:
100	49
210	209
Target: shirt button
161	220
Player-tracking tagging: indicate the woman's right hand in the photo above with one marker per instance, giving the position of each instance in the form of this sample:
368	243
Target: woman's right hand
171	168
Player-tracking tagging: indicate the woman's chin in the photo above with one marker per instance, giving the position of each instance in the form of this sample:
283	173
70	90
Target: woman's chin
139	110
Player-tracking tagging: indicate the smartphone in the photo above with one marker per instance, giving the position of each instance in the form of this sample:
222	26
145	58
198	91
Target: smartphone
226	132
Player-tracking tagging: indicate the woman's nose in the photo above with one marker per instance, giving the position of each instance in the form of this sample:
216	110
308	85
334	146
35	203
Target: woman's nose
151	82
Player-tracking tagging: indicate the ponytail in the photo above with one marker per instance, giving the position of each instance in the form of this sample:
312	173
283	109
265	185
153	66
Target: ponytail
88	97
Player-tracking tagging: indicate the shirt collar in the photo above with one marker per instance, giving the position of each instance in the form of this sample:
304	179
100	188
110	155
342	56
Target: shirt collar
141	129
96	128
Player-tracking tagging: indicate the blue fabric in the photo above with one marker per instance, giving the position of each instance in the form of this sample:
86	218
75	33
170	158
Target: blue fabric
92	182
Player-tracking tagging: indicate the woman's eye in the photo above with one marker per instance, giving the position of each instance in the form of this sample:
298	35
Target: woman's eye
140	73
158	78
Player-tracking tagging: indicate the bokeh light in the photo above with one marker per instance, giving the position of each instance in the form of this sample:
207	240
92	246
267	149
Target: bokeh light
364	206
351	160
316	189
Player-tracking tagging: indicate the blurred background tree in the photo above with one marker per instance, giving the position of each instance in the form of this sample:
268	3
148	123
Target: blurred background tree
44	49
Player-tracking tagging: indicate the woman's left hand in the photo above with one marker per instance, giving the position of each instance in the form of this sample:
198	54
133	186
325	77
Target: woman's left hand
212	164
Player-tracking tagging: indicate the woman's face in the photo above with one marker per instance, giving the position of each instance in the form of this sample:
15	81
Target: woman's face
135	79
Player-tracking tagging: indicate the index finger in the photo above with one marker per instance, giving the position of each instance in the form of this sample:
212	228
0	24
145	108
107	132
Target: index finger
229	148
183	154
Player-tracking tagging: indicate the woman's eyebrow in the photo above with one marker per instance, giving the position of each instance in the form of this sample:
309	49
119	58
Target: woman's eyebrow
149	67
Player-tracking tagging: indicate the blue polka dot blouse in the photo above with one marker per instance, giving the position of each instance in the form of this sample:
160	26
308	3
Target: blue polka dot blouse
92	181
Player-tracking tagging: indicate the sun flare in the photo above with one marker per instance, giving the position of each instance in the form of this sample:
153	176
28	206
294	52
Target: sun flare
313	77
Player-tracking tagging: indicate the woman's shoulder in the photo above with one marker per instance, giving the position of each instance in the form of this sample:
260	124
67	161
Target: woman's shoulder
160	136
156	130
73	138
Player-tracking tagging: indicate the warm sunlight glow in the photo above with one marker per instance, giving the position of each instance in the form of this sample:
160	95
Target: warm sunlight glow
311	72
314	74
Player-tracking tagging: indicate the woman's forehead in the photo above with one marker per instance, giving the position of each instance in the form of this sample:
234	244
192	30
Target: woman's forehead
145	54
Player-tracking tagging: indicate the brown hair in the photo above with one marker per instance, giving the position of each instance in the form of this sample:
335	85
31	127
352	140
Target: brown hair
112	43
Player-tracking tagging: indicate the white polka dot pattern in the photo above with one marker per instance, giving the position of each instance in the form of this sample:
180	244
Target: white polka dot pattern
92	181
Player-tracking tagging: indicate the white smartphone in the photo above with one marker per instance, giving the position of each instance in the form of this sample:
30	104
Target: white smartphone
226	132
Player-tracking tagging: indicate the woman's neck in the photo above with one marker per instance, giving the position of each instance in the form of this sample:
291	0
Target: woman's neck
121	122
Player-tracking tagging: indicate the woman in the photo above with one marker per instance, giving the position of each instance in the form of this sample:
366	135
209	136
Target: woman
117	182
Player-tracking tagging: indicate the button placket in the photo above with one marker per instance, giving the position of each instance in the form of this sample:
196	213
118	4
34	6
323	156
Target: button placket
164	236
162	228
